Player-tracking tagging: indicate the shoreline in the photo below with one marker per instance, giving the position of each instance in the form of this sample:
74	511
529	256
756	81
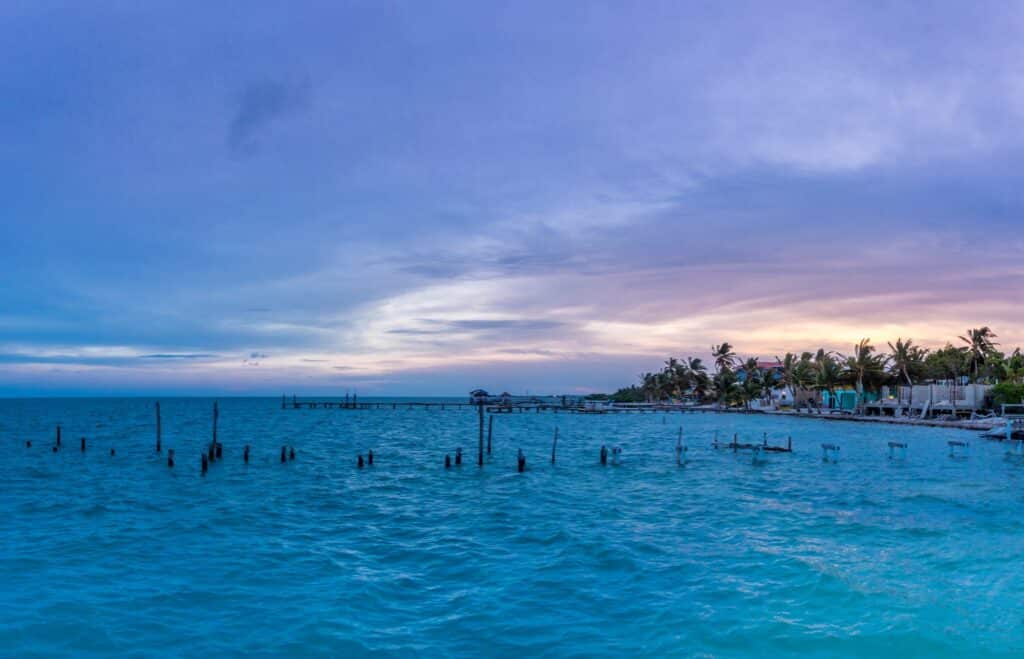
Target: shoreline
976	425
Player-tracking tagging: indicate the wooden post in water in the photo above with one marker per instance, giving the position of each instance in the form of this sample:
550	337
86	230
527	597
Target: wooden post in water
158	428
58	435
216	414
554	445
282	402
490	431
480	414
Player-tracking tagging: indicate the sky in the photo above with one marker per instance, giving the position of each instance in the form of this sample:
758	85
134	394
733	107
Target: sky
412	198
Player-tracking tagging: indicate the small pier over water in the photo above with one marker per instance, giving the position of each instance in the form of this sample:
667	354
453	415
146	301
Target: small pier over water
492	406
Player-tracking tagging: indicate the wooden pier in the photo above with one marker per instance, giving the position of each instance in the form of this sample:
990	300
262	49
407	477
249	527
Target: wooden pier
352	403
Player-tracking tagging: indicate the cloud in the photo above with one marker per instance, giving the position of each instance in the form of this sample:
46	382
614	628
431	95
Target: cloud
261	104
648	183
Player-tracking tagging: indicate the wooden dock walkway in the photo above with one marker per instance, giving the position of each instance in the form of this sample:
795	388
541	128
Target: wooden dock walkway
353	403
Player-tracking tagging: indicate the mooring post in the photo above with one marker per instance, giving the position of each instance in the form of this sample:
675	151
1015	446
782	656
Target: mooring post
604	455
521	461
83	445
765	441
245	454
679	447
159	430
360	462
735	442
480	414
205	464
490	431
369	457
216	414
447	461
283	405
554	445
58	435
284	454
170	457
789	443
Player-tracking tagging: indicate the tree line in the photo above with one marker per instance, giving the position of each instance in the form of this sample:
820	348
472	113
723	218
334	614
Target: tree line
737	381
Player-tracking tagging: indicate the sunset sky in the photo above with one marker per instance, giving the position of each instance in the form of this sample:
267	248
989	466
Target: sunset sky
421	198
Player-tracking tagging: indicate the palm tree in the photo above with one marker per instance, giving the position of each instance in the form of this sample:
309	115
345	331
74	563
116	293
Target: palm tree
724	357
906	358
980	347
724	385
788	376
701	381
1015	366
679	376
827	373
752	380
863	365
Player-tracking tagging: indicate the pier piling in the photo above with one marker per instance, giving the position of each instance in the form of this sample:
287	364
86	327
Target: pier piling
604	455
245	454
554	445
83	445
521	461
447	461
170	457
216	415
480	452
369	457
58	435
359	463
284	454
159	430
204	464
490	431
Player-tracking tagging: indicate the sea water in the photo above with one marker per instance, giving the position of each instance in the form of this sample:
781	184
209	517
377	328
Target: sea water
865	556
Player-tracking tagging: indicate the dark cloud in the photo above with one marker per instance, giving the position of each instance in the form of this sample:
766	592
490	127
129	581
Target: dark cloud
259	105
435	327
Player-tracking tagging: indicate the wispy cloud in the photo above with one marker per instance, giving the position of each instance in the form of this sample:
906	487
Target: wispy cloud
775	176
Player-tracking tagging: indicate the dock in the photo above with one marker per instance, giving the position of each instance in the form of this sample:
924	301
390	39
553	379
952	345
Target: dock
353	403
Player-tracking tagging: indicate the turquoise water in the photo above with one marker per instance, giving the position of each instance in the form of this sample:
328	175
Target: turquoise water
104	555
